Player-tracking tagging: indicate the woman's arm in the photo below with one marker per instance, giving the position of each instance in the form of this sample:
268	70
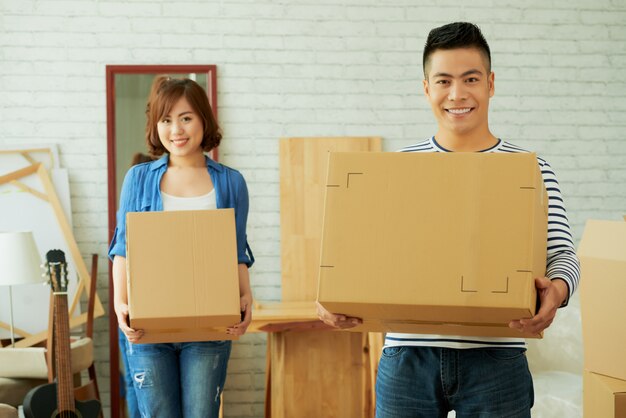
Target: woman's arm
245	301
120	299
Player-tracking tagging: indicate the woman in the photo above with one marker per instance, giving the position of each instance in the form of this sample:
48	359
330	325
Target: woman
181	379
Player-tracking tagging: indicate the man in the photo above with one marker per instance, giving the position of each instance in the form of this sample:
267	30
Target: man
429	375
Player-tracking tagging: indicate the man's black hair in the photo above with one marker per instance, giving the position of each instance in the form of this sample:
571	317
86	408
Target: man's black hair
456	35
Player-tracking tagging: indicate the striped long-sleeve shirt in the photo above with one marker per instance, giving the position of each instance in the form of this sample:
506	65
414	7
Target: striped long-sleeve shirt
561	256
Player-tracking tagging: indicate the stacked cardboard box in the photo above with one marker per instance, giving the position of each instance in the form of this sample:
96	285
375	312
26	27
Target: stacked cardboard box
434	243
602	253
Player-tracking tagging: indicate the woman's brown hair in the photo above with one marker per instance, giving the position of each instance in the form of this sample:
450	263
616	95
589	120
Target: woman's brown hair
164	94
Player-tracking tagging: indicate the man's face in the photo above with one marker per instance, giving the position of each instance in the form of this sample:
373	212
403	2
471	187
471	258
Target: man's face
458	87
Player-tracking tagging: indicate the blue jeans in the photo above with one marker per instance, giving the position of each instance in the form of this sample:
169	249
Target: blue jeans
127	391
179	380
428	382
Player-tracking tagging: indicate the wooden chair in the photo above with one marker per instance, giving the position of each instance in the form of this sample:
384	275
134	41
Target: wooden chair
90	389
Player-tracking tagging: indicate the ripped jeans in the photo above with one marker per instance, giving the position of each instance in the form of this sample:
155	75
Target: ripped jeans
180	379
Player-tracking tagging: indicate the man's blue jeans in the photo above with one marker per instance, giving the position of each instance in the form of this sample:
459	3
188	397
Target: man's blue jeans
427	382
179	380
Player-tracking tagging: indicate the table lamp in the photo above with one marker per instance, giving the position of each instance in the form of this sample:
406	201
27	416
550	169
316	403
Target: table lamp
19	264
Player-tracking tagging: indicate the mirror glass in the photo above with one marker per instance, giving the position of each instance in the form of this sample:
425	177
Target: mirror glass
131	93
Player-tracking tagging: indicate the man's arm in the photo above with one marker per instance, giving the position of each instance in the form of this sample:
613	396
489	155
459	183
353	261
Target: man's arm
562	262
336	320
562	267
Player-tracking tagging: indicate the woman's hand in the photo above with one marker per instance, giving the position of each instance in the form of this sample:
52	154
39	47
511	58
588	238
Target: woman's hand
121	311
245	302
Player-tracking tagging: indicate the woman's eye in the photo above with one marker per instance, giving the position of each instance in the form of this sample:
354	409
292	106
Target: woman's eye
186	119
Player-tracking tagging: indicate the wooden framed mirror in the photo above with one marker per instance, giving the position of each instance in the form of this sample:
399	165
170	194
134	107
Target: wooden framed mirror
127	89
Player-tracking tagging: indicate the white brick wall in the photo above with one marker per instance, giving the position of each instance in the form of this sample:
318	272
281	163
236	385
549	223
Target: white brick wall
304	68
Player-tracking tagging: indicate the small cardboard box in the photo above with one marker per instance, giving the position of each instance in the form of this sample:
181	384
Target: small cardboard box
443	243
602	253
182	274
603	396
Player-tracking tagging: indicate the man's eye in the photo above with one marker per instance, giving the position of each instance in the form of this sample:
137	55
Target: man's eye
442	82
472	80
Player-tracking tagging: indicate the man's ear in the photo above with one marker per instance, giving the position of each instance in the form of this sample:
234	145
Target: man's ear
426	87
492	86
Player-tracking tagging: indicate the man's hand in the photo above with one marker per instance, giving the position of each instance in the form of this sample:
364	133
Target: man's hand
121	311
245	304
552	294
336	320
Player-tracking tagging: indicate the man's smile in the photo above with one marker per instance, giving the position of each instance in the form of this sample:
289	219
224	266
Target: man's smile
459	111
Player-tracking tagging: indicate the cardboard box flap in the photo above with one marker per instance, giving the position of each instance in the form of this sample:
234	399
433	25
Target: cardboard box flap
185	335
604	240
614	385
468	248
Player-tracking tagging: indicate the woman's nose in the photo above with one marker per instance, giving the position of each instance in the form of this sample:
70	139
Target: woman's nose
177	127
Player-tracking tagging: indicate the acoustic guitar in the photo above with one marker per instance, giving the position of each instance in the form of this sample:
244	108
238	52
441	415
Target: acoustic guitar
56	400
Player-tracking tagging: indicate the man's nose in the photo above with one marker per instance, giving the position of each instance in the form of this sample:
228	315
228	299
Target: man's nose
456	92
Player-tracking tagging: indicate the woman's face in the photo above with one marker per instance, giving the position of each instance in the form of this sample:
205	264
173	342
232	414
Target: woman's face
181	130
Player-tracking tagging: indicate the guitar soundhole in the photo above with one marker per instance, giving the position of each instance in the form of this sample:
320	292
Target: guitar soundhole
66	414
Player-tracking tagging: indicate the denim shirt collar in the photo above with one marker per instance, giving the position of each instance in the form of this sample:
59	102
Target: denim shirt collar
162	162
141	193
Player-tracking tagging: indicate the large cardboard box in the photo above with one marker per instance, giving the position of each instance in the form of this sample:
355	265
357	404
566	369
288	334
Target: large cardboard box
602	253
434	243
182	274
603	396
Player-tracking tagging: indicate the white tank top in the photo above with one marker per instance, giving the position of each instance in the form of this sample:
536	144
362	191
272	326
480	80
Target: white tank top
206	201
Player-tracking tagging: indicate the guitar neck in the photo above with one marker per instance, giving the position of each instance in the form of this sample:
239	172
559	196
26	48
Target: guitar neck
65	387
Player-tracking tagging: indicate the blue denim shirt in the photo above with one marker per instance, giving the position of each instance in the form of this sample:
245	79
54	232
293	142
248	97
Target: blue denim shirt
141	192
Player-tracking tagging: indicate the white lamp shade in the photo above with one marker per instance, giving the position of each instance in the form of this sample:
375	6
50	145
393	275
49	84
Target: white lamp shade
19	259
